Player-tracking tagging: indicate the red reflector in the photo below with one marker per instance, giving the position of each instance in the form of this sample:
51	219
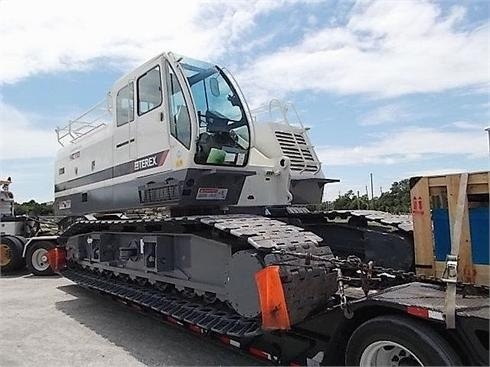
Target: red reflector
57	258
294	364
418	311
259	353
195	329
224	339
272	301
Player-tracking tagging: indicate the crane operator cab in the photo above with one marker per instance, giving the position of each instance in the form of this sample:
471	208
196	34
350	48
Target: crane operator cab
174	132
223	136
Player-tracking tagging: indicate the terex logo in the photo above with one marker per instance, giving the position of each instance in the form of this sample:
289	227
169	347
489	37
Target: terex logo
145	163
150	161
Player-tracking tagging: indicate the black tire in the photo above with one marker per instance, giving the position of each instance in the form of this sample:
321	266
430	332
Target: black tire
414	335
11	254
32	257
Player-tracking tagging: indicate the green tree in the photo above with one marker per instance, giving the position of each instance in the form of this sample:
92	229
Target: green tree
396	200
33	208
350	201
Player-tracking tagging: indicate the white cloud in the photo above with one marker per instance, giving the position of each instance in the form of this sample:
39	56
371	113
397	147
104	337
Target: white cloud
410	144
20	138
386	48
385	114
466	125
57	35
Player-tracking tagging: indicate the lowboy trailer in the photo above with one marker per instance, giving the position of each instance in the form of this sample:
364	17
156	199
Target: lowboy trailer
401	321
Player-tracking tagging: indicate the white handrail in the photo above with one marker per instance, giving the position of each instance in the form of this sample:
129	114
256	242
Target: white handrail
97	116
282	107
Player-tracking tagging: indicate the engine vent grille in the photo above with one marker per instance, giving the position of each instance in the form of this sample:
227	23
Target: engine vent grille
295	147
158	193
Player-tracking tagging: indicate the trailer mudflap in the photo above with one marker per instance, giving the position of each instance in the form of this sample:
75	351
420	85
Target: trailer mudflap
287	296
272	300
57	258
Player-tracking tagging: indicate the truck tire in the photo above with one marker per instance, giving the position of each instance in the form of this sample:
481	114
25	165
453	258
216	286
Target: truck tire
11	254
37	258
398	341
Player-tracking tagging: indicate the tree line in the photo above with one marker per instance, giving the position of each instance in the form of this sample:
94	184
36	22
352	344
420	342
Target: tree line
33	208
396	200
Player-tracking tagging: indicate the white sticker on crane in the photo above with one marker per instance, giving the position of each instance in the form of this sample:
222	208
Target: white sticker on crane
211	193
436	315
240	159
64	204
230	157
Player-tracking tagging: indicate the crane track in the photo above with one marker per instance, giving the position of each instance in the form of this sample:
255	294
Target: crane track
400	222
260	232
368	234
307	284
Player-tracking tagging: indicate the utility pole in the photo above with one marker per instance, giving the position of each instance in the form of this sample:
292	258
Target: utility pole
367	196
488	131
358	201
372	189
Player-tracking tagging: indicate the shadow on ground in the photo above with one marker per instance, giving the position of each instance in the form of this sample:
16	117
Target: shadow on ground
25	273
16	274
52	276
148	340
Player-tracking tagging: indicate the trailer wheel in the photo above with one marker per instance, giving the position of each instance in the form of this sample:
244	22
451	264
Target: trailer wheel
10	254
398	341
37	258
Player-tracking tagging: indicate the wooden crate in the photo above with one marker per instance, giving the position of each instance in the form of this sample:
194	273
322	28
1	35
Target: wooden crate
448	212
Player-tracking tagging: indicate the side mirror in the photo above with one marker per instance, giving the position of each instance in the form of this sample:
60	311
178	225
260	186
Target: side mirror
214	86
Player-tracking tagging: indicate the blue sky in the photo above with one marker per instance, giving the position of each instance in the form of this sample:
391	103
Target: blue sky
396	88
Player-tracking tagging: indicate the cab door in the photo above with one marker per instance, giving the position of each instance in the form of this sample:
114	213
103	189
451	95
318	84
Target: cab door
122	142
151	132
179	118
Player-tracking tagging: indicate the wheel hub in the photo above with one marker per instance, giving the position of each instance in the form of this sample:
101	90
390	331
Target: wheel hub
5	255
40	259
388	353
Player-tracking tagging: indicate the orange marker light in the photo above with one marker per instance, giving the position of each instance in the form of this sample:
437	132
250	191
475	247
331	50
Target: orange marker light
272	301
57	258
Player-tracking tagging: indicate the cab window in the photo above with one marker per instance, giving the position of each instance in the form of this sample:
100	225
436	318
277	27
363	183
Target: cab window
125	105
224	135
149	91
180	122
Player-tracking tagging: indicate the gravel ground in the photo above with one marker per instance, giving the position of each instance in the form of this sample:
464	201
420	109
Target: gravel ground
50	321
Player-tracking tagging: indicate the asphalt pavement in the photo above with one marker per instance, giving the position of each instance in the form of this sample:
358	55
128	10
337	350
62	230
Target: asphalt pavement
49	321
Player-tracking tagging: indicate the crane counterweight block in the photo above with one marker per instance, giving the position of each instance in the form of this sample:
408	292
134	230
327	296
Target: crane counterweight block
57	258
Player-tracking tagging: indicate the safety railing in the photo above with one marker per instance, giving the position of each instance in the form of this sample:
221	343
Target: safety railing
277	111
96	117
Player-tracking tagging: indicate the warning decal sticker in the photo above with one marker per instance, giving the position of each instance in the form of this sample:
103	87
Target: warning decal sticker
211	193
